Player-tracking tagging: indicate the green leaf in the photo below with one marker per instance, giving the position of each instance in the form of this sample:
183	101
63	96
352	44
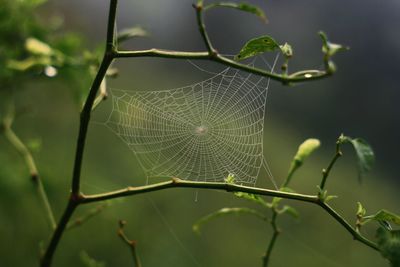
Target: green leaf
305	150
364	152
254	198
384	215
328	48
30	62
290	211
389	245
225	211
286	50
257	46
88	261
330	197
361	211
130	33
36	47
230	179
276	200
246	7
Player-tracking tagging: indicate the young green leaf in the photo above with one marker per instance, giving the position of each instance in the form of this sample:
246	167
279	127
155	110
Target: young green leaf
257	46
36	47
225	211
246	7
384	215
286	50
130	33
361	211
230	179
389	245
328	48
290	211
254	198
364	152
88	261
276	200
305	150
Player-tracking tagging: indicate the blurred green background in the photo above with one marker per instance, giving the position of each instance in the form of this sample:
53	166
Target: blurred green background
360	100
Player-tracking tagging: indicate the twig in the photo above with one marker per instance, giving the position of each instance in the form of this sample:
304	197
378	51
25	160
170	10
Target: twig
178	183
202	29
223	60
93	212
130	243
275	234
30	163
325	172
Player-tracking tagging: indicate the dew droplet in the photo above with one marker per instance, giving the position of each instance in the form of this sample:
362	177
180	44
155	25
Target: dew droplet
50	71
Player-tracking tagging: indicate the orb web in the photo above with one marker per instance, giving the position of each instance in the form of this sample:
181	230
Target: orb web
201	132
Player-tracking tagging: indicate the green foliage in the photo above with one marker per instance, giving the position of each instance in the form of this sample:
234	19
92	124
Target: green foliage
289	210
223	212
88	261
230	179
246	7
384	215
389	245
130	33
257	46
361	211
17	23
330	49
31	47
364	152
286	50
253	198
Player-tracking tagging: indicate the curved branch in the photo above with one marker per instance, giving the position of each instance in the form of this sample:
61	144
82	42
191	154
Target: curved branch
23	150
178	183
161	53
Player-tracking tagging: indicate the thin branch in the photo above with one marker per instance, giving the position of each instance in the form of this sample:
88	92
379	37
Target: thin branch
82	219
326	172
131	243
202	29
178	183
161	53
30	163
356	235
276	232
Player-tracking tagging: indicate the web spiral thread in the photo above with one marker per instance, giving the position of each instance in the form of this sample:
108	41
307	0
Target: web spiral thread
202	132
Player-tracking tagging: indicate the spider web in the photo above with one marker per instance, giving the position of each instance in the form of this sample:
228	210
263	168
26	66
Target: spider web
201	132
